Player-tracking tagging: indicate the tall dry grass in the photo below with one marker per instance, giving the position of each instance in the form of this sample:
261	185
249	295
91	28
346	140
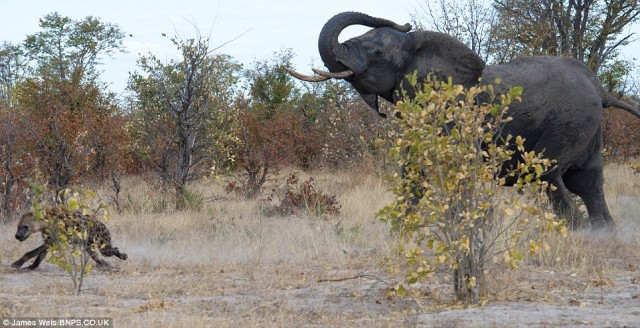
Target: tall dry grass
229	229
601	251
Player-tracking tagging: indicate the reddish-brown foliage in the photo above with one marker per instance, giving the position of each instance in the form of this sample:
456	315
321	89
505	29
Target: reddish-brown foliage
73	130
266	143
303	197
621	134
16	164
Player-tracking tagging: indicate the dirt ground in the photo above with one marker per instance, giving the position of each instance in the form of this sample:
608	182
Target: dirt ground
292	296
228	267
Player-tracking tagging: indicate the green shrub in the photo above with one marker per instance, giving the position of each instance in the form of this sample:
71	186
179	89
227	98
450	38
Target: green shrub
448	207
190	200
69	249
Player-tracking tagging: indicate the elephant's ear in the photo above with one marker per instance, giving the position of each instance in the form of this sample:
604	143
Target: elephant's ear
445	56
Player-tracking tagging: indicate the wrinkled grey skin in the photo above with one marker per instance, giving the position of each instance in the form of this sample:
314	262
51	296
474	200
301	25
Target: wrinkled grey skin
560	113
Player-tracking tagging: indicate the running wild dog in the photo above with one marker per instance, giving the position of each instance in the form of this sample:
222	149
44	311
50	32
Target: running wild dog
97	233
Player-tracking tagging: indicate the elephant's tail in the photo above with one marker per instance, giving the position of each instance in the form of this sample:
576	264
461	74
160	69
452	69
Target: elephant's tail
610	101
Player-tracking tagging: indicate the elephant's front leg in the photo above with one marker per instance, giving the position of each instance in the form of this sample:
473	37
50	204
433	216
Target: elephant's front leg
42	249
563	204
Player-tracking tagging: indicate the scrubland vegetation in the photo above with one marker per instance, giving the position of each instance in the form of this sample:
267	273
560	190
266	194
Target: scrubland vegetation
230	264
245	199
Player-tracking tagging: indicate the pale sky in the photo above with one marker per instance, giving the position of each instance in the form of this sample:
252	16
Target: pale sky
263	27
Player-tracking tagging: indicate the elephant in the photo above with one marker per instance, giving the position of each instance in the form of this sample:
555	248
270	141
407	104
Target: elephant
559	114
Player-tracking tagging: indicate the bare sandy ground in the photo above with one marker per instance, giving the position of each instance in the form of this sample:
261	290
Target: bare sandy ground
210	297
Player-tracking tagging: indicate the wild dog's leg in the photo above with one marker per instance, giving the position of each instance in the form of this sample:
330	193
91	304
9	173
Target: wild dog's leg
113	251
26	257
95	257
41	256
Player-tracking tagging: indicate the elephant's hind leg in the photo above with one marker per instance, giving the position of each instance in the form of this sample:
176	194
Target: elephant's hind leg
587	183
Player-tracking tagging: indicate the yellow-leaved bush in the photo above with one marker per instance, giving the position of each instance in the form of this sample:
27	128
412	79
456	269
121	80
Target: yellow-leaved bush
450	206
70	242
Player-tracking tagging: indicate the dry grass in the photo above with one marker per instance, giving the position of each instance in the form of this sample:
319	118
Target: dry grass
229	265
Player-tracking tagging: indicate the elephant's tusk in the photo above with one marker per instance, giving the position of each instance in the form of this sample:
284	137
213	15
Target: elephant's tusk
339	75
307	78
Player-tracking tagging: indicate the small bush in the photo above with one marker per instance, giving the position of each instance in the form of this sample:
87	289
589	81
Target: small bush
69	249
158	203
635	166
447	202
190	200
302	197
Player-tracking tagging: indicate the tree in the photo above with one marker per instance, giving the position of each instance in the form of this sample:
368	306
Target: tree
469	21
591	31
69	50
270	131
107	141
265	144
271	88
181	109
15	162
348	131
13	69
64	92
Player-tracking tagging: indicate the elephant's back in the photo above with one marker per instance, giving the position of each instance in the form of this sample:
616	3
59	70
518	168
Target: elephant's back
552	87
538	71
561	105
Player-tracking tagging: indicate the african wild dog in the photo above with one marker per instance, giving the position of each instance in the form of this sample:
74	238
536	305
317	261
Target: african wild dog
98	235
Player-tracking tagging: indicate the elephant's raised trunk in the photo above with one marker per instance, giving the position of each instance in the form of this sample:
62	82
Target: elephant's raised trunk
331	51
